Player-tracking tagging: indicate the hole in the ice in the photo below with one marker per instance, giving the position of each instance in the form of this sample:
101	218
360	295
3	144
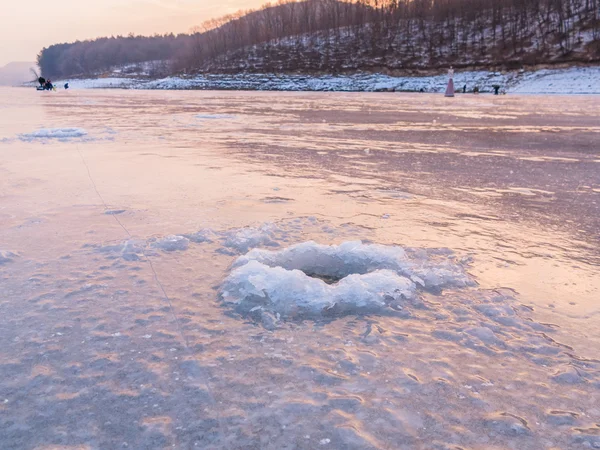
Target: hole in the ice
315	281
327	279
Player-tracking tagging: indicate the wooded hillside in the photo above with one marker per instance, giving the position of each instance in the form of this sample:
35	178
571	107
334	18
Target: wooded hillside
333	36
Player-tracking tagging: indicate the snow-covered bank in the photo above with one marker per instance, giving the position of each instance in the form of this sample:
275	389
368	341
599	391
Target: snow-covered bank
575	80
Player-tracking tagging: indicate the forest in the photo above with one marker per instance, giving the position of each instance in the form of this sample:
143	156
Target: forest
330	36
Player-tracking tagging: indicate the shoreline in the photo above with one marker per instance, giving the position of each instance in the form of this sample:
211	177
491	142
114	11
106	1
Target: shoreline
574	80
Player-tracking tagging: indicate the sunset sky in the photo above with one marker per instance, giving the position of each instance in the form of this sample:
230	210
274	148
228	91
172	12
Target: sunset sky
26	26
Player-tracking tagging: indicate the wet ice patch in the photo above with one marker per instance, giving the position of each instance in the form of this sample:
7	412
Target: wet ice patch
310	280
61	134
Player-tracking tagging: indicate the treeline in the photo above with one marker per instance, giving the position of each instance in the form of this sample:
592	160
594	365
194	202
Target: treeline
331	35
96	56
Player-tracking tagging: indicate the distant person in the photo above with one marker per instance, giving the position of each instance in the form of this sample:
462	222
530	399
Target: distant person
66	86
496	89
42	81
421	90
465	89
476	90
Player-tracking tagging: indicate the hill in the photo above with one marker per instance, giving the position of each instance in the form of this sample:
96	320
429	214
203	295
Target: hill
330	36
16	73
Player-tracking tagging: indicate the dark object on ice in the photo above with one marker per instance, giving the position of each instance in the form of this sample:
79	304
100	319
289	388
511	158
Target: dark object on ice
421	90
48	85
66	85
476	90
42	86
465	89
496	89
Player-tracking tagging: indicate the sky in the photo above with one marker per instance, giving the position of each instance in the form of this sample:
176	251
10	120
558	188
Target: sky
26	26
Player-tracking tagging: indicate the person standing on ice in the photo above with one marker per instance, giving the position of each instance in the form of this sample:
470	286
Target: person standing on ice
450	87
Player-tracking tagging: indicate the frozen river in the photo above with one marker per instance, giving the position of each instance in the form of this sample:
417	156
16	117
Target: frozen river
298	270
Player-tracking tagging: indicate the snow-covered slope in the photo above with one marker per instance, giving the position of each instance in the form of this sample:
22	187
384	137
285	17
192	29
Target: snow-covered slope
575	80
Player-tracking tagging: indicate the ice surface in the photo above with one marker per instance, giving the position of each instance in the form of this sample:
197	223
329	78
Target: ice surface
172	243
6	256
214	116
199	237
367	278
129	250
240	240
53	133
234	241
243	239
119	352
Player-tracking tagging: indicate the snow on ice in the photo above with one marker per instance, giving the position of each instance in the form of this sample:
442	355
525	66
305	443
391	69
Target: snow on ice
53	133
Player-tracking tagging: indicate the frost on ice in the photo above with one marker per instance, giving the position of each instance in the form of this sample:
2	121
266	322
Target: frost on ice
53	133
172	243
130	250
310	280
243	239
239	240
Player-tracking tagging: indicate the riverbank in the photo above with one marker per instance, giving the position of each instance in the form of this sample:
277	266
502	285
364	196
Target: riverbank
574	80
